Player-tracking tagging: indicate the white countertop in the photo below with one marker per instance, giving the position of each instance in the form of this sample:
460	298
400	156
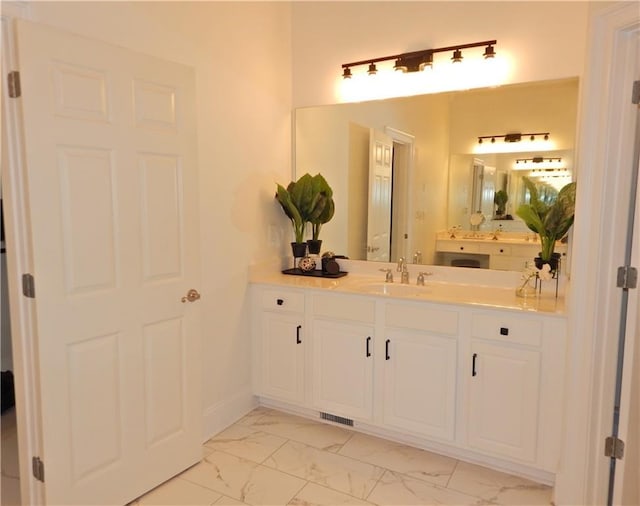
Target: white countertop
437	288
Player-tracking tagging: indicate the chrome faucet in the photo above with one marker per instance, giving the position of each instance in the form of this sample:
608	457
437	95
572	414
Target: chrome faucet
402	264
389	277
420	279
417	257
404	276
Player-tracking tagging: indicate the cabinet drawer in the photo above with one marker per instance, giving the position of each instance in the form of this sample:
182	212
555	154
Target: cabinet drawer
283	300
458	246
344	308
507	328
497	249
422	318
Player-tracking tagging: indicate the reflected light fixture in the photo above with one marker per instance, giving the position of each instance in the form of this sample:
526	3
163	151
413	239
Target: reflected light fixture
539	163
513	137
416	61
538	159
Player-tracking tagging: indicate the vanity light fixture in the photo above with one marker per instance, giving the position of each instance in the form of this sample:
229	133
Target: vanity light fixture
513	137
416	61
489	52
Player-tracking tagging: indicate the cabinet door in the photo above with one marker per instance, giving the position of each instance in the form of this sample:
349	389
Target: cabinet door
343	368
504	398
420	383
282	357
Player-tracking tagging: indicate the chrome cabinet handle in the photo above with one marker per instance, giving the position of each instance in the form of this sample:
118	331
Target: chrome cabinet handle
192	296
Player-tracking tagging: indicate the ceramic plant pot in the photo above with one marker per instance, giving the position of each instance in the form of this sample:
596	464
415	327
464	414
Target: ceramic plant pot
299	249
314	246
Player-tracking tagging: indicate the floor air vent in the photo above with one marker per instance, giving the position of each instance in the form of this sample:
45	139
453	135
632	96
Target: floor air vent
336	418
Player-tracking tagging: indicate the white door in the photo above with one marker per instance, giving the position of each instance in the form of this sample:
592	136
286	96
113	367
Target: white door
343	368
109	141
420	383
503	407
380	188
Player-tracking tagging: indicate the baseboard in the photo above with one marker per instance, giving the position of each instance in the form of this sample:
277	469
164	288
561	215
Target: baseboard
227	411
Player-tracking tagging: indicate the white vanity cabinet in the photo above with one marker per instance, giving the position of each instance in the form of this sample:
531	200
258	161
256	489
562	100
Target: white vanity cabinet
279	344
419	369
471	381
501	254
343	342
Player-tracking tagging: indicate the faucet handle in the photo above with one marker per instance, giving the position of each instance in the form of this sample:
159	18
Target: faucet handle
421	275
389	277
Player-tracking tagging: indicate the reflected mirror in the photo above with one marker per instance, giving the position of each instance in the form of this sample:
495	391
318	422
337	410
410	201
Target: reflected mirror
411	179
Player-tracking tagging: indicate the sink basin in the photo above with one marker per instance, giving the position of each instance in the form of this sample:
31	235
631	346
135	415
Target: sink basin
395	289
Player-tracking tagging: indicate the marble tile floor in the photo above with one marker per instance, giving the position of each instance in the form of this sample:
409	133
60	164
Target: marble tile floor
273	458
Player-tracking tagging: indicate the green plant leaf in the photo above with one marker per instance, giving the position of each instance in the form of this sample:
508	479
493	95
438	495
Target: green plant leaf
284	198
531	218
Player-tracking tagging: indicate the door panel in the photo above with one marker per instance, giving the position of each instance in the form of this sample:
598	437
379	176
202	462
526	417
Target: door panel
111	178
504	393
93	374
161	210
420	383
343	368
164	353
380	189
88	211
283	356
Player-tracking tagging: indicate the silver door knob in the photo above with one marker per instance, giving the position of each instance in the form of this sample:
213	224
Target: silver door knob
192	296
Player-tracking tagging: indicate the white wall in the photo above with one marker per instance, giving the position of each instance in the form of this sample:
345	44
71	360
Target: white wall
241	54
543	40
537	107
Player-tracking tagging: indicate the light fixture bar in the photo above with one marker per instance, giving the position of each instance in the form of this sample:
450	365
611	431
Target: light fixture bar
538	159
415	60
513	137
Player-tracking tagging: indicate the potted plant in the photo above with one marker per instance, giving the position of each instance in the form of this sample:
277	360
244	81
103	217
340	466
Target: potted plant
500	199
550	220
307	200
322	211
283	195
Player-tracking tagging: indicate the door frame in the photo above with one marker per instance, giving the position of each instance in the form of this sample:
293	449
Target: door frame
407	141
604	167
19	261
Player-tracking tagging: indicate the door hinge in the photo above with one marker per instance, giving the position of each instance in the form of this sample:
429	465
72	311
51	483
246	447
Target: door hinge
13	81
37	466
613	447
635	93
28	286
627	277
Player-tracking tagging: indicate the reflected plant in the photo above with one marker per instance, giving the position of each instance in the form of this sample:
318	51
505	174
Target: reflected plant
551	220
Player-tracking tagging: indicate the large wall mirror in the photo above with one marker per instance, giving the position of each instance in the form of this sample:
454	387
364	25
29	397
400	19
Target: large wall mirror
405	171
